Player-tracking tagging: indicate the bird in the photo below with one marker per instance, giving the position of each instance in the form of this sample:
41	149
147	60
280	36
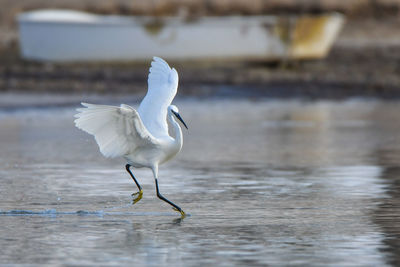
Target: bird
140	136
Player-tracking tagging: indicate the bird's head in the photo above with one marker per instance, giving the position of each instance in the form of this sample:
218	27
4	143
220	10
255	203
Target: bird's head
172	109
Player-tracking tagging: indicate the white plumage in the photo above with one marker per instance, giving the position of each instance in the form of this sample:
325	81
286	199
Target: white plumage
141	137
118	131
163	84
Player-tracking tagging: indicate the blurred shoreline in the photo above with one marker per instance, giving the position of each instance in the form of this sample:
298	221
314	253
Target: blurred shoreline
371	71
364	62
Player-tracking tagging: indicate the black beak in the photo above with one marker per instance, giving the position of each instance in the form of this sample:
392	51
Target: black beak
179	118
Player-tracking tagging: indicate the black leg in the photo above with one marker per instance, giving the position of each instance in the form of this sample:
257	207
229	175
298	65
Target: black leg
127	167
140	193
176	207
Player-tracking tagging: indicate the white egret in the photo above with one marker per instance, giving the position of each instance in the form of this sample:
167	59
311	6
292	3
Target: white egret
141	136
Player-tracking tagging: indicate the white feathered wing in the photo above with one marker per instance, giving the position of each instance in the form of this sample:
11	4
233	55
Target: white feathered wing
118	130
162	87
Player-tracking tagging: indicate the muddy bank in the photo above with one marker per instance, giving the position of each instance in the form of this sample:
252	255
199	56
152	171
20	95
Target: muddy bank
371	71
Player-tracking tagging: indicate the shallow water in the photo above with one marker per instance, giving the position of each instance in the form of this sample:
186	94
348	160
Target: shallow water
264	182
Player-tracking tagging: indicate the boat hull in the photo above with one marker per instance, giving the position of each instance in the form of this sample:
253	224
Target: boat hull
56	35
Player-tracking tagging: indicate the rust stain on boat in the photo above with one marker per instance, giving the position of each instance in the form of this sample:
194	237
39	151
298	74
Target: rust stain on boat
154	27
282	29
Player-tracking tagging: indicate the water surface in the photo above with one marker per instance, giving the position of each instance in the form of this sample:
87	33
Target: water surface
265	182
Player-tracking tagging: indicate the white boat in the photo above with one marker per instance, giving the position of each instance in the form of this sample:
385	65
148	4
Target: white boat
66	35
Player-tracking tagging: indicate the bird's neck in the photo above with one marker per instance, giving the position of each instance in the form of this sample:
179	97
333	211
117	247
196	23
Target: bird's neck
176	131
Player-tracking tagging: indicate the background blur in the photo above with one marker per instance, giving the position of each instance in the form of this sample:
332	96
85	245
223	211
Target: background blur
364	61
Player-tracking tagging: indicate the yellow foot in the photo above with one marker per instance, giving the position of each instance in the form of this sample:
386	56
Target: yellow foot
183	214
139	196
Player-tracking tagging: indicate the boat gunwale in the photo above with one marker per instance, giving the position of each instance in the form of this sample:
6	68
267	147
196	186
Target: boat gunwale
123	20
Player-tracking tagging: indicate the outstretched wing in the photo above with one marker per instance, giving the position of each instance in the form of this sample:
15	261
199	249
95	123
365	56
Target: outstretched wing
162	87
118	130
